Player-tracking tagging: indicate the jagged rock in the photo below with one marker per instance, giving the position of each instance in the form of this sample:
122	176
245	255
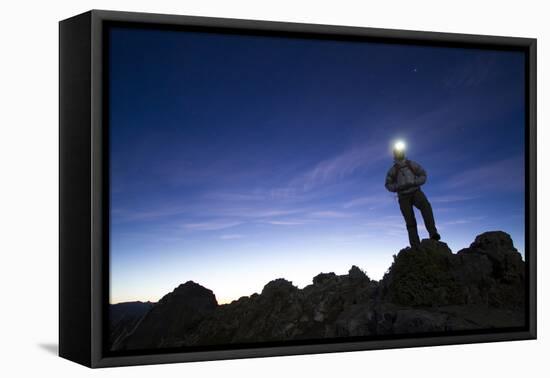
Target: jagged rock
321	278
278	287
489	272
357	274
500	250
172	318
422	277
504	286
426	290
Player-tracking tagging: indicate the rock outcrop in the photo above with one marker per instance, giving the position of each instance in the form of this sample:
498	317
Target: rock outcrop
426	290
177	313
490	272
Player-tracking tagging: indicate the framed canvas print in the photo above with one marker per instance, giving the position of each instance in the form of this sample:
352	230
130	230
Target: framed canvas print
234	188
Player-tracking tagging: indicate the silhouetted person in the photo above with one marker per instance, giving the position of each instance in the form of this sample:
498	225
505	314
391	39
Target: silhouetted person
405	178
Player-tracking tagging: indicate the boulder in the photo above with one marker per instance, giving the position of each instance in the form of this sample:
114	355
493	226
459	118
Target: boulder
422	276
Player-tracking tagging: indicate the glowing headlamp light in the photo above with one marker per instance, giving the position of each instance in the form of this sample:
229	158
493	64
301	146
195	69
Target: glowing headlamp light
399	146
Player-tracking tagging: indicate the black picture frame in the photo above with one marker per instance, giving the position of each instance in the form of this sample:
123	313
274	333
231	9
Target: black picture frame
84	186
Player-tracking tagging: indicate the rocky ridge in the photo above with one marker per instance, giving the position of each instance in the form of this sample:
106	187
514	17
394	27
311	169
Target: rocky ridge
429	289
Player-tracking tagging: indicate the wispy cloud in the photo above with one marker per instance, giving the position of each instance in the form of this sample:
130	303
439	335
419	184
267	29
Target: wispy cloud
341	166
392	226
254	195
501	175
211	225
451	198
307	217
390	221
283	194
124	215
372	200
231	236
465	220
285	222
472	74
330	214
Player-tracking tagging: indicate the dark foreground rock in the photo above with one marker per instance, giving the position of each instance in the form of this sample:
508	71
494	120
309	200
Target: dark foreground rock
177	313
124	317
490	272
425	290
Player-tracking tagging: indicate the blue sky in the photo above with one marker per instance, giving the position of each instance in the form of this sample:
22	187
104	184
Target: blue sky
239	159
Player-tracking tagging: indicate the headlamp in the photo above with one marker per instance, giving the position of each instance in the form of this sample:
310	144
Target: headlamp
399	146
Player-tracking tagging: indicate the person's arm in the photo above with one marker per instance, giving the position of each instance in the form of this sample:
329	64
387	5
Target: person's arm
420	174
390	180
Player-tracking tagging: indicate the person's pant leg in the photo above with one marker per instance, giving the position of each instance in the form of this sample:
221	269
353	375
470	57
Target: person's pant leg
406	206
421	203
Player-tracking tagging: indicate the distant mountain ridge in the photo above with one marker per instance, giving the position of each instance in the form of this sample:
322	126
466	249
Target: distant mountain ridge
124	318
425	290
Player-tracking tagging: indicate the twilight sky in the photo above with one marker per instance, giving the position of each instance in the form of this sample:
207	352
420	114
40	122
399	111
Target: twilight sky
239	159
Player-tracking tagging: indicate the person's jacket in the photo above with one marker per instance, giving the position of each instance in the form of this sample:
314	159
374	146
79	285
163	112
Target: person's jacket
405	177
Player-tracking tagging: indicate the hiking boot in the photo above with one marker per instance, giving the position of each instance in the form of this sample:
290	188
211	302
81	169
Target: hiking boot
435	236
